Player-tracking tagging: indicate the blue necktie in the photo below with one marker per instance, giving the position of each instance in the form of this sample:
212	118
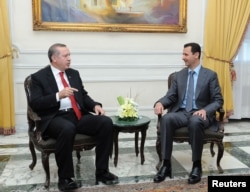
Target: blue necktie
190	92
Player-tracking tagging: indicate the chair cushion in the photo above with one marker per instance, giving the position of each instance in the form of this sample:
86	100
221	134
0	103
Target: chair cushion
81	139
49	144
182	133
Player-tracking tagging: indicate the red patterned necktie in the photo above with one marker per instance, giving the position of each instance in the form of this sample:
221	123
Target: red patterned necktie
72	98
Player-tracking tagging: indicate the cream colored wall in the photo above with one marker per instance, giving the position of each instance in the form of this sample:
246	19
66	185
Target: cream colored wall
111	64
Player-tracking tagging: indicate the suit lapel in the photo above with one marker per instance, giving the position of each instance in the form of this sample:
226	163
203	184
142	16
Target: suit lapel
200	81
73	83
71	79
183	84
51	79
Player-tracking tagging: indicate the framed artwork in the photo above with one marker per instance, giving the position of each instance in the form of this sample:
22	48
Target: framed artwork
110	15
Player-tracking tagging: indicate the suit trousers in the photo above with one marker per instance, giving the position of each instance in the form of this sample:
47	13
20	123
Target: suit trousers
63	128
174	120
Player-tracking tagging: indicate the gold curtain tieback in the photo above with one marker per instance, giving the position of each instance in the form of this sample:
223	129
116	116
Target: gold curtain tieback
7	55
222	60
217	59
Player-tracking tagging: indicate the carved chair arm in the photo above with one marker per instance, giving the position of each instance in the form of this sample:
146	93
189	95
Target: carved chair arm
221	119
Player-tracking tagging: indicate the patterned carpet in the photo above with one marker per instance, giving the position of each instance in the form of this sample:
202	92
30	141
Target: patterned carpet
170	185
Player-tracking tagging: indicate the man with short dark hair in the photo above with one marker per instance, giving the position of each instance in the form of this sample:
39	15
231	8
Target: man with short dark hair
192	100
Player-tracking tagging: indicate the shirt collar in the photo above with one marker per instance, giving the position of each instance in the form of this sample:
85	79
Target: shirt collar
196	69
55	71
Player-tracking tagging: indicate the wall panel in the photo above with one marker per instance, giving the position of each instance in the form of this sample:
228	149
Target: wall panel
111	64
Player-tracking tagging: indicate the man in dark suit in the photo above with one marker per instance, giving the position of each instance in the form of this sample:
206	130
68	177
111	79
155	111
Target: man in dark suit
197	113
64	106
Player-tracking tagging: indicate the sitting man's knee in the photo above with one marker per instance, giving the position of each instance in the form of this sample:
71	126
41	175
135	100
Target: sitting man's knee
168	117
68	132
195	121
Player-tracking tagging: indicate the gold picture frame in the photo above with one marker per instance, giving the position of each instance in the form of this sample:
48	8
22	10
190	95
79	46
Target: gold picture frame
110	15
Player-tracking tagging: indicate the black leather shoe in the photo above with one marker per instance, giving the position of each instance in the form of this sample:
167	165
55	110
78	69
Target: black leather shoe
163	173
106	178
195	175
67	184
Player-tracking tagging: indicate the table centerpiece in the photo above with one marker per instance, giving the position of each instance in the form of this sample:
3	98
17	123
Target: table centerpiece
128	110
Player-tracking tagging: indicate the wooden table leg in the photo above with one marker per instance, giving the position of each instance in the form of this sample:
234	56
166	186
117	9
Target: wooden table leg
116	133
143	137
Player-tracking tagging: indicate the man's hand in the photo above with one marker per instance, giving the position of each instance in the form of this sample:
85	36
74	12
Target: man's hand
201	113
67	92
158	108
99	110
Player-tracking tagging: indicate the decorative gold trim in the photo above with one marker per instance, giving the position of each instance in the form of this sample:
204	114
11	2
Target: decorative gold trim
38	24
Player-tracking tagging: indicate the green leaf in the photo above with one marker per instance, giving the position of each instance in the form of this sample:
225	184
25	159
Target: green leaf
120	100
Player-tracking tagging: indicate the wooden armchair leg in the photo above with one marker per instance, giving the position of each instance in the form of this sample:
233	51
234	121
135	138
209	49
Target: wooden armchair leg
78	155
212	149
220	155
33	154
45	162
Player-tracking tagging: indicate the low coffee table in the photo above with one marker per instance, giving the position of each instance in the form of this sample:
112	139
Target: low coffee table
140	125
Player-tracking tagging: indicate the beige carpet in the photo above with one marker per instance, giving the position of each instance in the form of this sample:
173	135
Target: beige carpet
173	185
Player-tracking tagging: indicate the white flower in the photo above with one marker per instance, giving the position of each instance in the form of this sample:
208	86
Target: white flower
128	108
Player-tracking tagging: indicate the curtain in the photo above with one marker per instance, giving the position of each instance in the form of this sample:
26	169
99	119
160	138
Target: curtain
7	114
241	87
225	23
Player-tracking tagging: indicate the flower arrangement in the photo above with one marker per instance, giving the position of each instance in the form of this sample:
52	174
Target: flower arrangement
128	110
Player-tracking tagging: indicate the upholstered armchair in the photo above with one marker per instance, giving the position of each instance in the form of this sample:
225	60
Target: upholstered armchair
46	147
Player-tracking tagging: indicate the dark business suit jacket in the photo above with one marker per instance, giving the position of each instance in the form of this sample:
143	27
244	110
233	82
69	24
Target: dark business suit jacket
43	95
207	95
